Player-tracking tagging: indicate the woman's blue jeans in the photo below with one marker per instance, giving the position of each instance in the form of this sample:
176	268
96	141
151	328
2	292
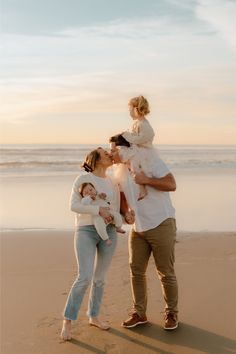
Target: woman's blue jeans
90	249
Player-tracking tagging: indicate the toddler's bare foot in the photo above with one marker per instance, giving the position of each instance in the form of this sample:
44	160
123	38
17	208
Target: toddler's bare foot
66	330
120	230
109	242
142	192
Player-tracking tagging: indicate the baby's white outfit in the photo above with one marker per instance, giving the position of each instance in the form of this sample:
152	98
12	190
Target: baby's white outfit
97	220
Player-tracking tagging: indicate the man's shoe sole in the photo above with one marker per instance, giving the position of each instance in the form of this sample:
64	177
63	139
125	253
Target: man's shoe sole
171	328
134	325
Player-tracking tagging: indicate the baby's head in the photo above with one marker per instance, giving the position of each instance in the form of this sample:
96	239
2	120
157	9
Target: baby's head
87	189
139	107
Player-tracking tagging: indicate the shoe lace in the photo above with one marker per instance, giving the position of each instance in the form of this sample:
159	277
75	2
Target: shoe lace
170	316
133	314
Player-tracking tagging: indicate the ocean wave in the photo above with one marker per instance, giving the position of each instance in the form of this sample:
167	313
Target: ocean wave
60	159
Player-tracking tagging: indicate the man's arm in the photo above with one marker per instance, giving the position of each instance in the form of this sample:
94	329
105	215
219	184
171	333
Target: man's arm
164	184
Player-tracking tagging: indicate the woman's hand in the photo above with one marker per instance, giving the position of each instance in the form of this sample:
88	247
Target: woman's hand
130	217
102	196
104	212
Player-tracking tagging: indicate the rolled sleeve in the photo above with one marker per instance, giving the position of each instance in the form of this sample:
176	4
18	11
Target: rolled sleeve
160	169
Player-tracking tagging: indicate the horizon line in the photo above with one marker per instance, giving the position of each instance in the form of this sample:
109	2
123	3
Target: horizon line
69	144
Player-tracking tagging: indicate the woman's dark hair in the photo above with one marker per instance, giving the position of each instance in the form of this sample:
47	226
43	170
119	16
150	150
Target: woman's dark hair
119	140
91	160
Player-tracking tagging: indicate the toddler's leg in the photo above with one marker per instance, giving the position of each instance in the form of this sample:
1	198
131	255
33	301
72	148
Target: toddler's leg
142	191
137	167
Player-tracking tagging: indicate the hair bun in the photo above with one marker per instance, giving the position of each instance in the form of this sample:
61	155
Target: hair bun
86	167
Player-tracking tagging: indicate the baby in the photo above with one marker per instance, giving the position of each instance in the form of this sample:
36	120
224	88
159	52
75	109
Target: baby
89	196
135	146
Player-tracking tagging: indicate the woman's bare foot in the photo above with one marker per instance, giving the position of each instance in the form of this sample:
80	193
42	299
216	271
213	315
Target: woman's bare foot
94	321
66	330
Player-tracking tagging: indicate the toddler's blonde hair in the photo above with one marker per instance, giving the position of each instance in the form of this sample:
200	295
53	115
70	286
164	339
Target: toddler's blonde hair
141	104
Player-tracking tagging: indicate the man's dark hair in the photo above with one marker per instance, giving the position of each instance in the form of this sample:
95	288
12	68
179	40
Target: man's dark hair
119	140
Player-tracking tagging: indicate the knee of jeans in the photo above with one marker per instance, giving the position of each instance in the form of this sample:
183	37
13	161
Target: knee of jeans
98	283
83	281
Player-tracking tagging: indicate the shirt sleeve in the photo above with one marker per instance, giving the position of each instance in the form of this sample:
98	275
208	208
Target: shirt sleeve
159	168
76	204
86	200
143	136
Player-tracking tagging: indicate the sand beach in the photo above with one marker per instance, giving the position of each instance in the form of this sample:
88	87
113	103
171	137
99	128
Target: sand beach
38	268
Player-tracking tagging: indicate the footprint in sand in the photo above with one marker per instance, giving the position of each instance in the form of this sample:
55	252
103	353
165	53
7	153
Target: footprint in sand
113	349
47	321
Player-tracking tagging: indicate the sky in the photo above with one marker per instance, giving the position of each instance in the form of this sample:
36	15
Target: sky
69	67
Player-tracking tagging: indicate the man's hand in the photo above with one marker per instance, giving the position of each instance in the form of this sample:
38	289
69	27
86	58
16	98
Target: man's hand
141	178
130	217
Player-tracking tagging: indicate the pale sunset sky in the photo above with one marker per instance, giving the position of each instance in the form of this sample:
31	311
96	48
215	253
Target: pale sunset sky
69	67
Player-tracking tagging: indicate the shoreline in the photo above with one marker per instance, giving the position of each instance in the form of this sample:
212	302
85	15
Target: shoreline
180	233
38	268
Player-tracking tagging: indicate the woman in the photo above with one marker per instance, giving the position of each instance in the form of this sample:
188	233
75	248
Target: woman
89	244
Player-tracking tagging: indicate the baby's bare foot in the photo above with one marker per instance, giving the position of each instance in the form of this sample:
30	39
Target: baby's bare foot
66	330
120	230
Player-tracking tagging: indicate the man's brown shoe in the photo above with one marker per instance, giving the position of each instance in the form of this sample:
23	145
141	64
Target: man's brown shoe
171	321
134	320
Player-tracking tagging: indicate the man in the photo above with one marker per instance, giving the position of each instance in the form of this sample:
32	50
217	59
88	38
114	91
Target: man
154	232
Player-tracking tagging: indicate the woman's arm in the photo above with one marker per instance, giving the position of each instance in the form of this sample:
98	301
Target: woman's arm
164	184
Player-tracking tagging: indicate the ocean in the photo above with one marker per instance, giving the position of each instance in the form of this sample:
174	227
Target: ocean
38	160
36	181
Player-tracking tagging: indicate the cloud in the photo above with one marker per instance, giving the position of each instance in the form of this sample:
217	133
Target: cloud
137	28
45	17
221	15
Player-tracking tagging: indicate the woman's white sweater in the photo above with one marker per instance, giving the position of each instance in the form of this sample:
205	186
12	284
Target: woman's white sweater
84	213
